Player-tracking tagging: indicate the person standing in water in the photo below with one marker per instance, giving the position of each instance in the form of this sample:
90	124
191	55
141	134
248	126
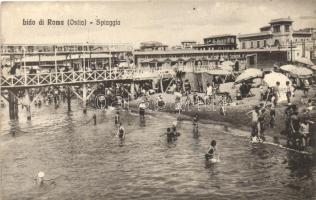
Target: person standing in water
196	125
211	151
117	118
142	107
95	119
121	132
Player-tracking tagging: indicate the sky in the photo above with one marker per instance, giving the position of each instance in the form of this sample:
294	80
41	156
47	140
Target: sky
169	22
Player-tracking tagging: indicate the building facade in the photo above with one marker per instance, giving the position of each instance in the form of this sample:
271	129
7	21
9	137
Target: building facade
218	42
278	34
153	46
188	44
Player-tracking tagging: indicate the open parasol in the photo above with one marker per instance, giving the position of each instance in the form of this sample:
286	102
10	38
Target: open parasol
305	61
249	74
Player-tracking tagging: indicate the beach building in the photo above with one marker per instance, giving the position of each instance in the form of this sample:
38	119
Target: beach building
153	46
210	59
188	44
279	34
218	42
47	56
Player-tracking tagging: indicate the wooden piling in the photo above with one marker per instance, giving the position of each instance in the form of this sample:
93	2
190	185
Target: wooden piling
13	106
68	96
84	97
28	105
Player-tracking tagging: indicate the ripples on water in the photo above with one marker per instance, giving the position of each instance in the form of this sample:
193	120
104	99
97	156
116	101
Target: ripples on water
89	162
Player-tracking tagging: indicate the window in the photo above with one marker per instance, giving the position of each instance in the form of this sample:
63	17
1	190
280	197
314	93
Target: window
258	44
251	44
287	28
264	43
243	45
276	29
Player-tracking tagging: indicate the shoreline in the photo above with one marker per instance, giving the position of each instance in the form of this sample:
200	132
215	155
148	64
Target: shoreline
236	118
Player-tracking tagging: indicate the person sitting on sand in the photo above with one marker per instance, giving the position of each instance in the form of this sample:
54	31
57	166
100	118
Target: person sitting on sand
121	132
211	151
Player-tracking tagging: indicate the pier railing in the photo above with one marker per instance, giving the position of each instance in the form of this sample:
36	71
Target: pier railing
64	78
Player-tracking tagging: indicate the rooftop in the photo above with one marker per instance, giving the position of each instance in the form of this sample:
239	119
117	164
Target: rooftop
281	20
168	52
263	33
220	36
302	32
188	41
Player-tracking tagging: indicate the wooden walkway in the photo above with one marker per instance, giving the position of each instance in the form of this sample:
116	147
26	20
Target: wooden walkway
64	78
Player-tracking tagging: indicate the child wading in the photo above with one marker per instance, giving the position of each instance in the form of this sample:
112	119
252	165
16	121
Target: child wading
211	151
121	132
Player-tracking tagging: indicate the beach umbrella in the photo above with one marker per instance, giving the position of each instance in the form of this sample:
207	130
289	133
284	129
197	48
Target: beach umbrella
227	87
272	78
226	67
295	71
249	74
228	63
313	67
288	68
302	72
305	61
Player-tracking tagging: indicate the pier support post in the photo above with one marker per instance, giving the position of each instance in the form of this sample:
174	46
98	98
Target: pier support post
84	98
28	104
68	96
13	106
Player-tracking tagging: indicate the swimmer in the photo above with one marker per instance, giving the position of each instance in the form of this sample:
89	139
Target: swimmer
121	132
255	139
174	131
117	117
40	178
211	151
